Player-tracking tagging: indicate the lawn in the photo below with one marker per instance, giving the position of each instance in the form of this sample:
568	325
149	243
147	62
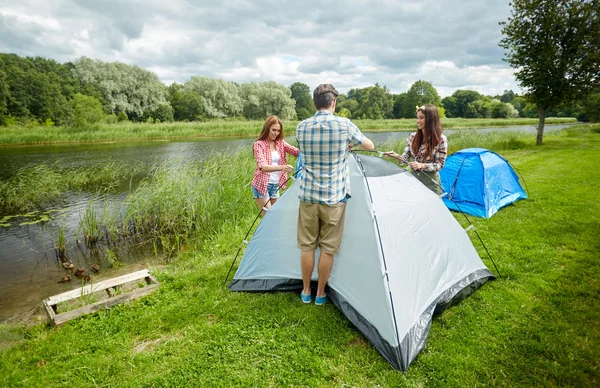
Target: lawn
536	325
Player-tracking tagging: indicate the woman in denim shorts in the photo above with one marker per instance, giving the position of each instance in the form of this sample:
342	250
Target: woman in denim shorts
271	173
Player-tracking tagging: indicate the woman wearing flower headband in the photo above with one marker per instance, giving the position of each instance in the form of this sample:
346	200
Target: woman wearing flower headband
425	150
271	171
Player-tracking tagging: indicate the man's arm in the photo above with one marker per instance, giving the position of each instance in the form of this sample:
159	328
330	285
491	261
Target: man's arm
367	144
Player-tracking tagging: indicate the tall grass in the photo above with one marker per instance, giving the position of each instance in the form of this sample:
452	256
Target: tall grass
32	187
192	198
91	225
216	128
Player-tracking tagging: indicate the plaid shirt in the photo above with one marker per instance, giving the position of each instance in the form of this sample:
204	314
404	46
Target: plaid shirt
323	140
262	153
431	165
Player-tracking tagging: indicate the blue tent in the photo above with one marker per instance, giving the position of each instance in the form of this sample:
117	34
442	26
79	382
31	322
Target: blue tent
479	182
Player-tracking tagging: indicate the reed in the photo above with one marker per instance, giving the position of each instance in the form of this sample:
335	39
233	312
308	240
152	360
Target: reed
90	225
61	245
34	187
113	258
30	187
190	198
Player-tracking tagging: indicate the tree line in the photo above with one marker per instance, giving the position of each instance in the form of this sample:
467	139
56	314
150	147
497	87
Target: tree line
87	91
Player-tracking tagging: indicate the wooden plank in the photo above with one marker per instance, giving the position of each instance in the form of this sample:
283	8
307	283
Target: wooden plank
59	319
91	288
49	310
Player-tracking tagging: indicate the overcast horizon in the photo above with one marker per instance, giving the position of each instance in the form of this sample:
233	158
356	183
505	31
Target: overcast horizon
451	44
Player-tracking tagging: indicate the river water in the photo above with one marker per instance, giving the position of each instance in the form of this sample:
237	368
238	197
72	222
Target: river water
29	265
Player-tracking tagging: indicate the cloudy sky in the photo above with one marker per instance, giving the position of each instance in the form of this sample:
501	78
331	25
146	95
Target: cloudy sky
352	44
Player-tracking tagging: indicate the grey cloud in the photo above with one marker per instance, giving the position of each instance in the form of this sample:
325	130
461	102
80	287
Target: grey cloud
24	39
394	38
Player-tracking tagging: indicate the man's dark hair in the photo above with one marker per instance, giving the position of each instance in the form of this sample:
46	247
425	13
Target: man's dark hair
324	95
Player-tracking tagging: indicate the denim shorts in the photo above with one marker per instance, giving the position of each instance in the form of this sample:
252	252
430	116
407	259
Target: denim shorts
272	191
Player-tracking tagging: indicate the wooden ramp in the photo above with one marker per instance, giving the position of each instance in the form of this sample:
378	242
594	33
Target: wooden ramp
114	295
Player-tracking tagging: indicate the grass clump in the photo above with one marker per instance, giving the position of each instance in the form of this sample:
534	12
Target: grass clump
33	187
191	198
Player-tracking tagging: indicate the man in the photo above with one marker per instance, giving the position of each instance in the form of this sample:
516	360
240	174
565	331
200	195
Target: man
325	141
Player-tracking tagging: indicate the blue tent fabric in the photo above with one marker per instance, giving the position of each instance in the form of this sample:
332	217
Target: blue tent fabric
479	182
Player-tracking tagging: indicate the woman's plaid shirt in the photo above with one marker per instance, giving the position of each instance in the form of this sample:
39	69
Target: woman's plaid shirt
439	154
323	140
262	153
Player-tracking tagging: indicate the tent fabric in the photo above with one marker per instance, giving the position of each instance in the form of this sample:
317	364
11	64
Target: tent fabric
479	182
403	259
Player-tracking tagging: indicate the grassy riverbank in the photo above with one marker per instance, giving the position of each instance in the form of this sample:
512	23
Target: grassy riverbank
538	325
211	129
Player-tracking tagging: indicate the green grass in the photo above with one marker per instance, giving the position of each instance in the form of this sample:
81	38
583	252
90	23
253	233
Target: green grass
538	325
216	128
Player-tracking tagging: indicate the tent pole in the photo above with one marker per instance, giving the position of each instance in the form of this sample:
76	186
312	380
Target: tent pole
251	226
478	236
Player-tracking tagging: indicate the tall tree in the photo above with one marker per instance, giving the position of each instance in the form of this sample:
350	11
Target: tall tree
124	88
421	92
555	47
267	98
304	102
3	93
219	97
456	105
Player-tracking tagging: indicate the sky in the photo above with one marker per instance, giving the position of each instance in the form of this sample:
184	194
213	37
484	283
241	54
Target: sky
453	44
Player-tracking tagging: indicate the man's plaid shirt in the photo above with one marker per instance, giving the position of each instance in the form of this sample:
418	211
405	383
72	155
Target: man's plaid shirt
323	140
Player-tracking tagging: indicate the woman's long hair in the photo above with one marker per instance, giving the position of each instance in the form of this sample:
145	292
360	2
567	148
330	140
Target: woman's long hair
431	135
267	127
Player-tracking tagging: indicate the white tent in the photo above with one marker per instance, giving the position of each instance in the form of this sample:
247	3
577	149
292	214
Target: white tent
403	258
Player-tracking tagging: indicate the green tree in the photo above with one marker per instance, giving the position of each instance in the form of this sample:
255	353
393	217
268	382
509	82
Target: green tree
507	96
38	89
555	47
304	102
162	113
420	93
399	106
267	98
219	98
349	104
591	108
124	88
379	102
3	93
456	105
190	106
86	110
519	103
503	110
479	109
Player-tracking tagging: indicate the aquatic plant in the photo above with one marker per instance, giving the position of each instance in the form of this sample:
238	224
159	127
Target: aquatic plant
90	225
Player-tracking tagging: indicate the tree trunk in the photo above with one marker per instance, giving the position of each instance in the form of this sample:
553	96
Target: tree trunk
540	128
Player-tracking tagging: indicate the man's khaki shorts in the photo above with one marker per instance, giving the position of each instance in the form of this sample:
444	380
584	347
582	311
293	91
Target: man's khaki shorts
321	225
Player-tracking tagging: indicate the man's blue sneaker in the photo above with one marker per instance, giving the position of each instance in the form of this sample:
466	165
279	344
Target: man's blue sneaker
305	298
319	300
